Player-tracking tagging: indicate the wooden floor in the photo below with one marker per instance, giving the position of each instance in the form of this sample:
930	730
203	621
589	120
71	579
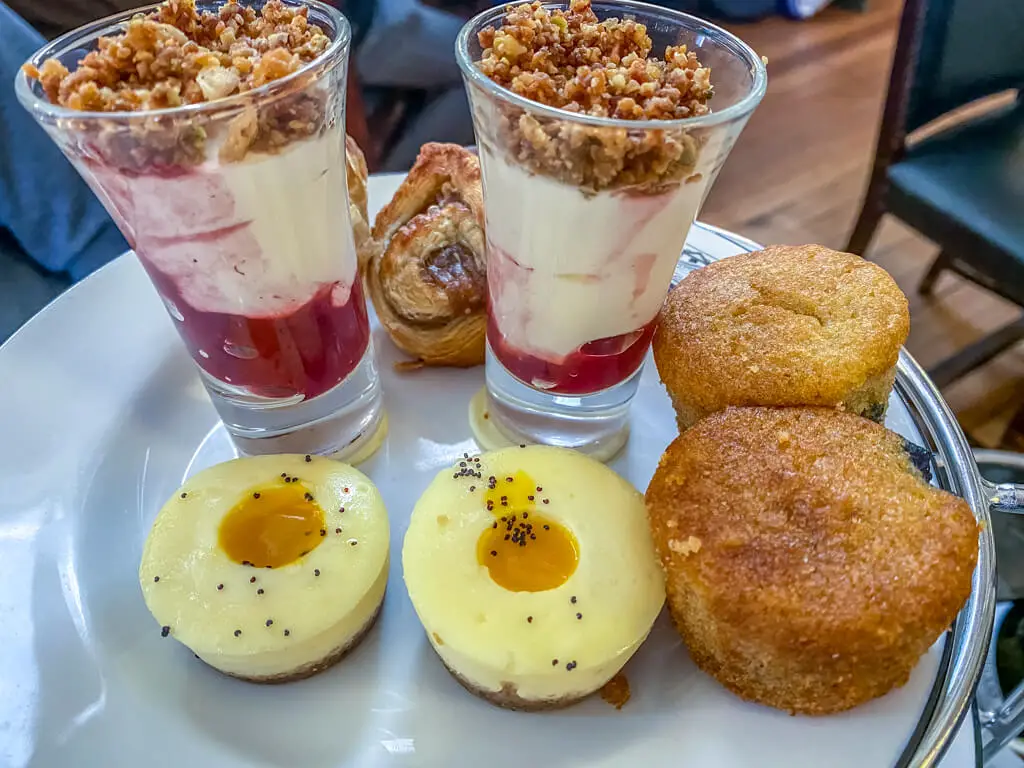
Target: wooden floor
798	172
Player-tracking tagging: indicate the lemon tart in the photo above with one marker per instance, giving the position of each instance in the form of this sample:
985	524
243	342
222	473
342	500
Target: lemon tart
533	571
269	568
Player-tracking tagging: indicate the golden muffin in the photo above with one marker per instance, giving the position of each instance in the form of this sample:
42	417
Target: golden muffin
789	325
808	563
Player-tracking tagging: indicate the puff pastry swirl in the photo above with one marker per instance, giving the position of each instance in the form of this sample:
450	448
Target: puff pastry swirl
356	174
427	272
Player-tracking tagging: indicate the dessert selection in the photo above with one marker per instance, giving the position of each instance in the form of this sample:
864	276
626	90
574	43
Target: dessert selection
808	563
426	271
269	568
788	325
585	221
237	212
533	573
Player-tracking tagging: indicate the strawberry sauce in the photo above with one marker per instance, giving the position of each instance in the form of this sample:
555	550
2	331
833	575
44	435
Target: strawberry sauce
203	256
305	351
592	367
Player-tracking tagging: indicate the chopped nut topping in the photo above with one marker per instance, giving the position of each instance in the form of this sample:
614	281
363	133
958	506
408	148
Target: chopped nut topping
175	56
572	61
218	82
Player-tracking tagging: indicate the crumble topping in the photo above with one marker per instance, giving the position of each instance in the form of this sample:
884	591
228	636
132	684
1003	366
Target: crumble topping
572	61
176	56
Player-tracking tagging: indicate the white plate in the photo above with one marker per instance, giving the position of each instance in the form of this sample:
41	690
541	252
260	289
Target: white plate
103	416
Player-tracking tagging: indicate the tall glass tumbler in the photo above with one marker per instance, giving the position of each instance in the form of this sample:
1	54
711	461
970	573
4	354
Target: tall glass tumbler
586	219
238	210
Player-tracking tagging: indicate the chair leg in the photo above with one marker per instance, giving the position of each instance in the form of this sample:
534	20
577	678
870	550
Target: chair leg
978	353
866	225
942	263
1014	437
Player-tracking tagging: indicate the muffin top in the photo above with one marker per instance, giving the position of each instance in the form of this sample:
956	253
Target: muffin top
788	325
803	523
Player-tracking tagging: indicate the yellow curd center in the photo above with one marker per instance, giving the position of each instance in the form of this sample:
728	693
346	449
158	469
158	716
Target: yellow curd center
524	550
273	525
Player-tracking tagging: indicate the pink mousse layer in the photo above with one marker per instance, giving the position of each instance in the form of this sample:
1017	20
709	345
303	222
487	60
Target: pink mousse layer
593	367
261	322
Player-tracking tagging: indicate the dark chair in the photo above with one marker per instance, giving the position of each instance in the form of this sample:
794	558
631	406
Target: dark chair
24	287
960	186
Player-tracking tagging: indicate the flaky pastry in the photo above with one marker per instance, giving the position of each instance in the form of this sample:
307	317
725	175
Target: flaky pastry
356	174
426	273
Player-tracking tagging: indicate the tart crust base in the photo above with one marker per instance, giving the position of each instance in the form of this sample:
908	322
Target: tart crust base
508	697
315	667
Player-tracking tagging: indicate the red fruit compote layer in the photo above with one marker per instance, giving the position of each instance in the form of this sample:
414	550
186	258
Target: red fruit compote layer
240	217
585	223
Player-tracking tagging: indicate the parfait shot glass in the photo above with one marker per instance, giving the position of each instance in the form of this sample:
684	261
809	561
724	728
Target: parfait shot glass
234	198
589	197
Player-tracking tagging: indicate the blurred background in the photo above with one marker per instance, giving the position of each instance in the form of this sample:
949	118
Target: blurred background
800	172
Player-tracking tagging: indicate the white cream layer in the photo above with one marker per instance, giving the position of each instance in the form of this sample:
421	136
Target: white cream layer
257	237
565	268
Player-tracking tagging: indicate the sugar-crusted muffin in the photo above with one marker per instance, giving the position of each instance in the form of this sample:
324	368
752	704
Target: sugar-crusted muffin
788	325
808	563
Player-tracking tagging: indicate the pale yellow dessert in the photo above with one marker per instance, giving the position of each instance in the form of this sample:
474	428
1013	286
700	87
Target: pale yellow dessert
269	568
534	574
